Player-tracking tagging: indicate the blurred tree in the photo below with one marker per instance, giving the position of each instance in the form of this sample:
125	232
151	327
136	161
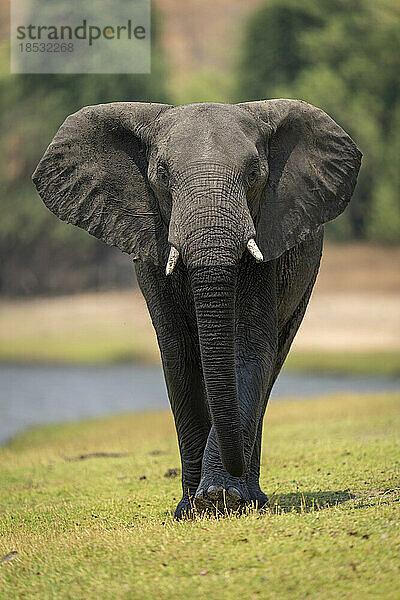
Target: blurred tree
39	252
343	56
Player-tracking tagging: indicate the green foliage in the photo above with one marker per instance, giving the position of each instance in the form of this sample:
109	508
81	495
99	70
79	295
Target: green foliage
385	202
341	55
32	108
204	85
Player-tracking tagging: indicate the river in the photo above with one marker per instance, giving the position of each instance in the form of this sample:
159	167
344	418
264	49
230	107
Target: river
32	395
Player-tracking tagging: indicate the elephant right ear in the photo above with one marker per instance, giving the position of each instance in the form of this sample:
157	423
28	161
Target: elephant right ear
94	175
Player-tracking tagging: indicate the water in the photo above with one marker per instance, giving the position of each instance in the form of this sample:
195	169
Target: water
31	395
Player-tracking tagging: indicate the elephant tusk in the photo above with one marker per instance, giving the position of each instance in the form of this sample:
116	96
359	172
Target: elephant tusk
172	260
254	250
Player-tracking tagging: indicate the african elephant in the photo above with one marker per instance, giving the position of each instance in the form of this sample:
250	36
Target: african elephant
222	209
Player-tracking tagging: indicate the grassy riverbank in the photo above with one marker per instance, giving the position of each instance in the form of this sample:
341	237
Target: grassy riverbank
351	325
381	363
114	327
87	525
144	351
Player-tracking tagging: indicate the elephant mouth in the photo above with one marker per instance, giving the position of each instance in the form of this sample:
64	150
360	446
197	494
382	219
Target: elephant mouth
210	222
174	255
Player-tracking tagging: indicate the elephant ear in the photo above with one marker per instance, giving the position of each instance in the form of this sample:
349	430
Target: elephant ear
313	168
94	175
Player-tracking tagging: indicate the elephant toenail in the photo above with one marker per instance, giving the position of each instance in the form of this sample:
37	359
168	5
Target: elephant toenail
213	488
235	491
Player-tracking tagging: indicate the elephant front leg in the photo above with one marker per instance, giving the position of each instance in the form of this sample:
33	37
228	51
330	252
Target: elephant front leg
285	338
187	398
175	324
218	488
256	350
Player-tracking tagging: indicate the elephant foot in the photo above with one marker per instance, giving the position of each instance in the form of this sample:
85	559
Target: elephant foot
257	497
184	510
221	494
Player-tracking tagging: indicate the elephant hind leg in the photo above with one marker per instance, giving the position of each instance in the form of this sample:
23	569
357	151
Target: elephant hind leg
286	336
257	497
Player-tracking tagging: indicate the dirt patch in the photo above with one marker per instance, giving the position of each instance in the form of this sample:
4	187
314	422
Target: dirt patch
356	321
360	268
355	306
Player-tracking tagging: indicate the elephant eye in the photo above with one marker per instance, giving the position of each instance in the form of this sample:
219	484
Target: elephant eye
253	175
162	175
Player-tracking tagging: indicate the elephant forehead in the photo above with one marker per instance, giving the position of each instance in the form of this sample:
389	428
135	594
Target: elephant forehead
200	129
199	176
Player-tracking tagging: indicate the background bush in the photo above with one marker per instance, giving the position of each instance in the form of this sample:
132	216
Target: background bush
343	56
39	252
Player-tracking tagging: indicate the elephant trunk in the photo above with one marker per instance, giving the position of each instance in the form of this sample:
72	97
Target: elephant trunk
214	290
210	227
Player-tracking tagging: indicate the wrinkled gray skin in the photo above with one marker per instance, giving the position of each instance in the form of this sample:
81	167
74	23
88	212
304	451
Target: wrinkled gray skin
205	178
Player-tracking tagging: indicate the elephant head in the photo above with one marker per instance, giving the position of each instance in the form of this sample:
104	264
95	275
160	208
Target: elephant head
203	182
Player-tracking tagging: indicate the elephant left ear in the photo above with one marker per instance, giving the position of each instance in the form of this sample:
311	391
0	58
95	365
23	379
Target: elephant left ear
313	167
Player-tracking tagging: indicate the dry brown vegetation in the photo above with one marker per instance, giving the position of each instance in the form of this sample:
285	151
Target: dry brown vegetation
356	301
196	35
360	268
355	307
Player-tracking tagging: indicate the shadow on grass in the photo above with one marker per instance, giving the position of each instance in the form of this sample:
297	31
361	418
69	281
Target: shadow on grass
307	501
299	502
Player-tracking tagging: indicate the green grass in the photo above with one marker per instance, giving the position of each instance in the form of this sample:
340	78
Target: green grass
96	529
97	350
80	350
345	363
